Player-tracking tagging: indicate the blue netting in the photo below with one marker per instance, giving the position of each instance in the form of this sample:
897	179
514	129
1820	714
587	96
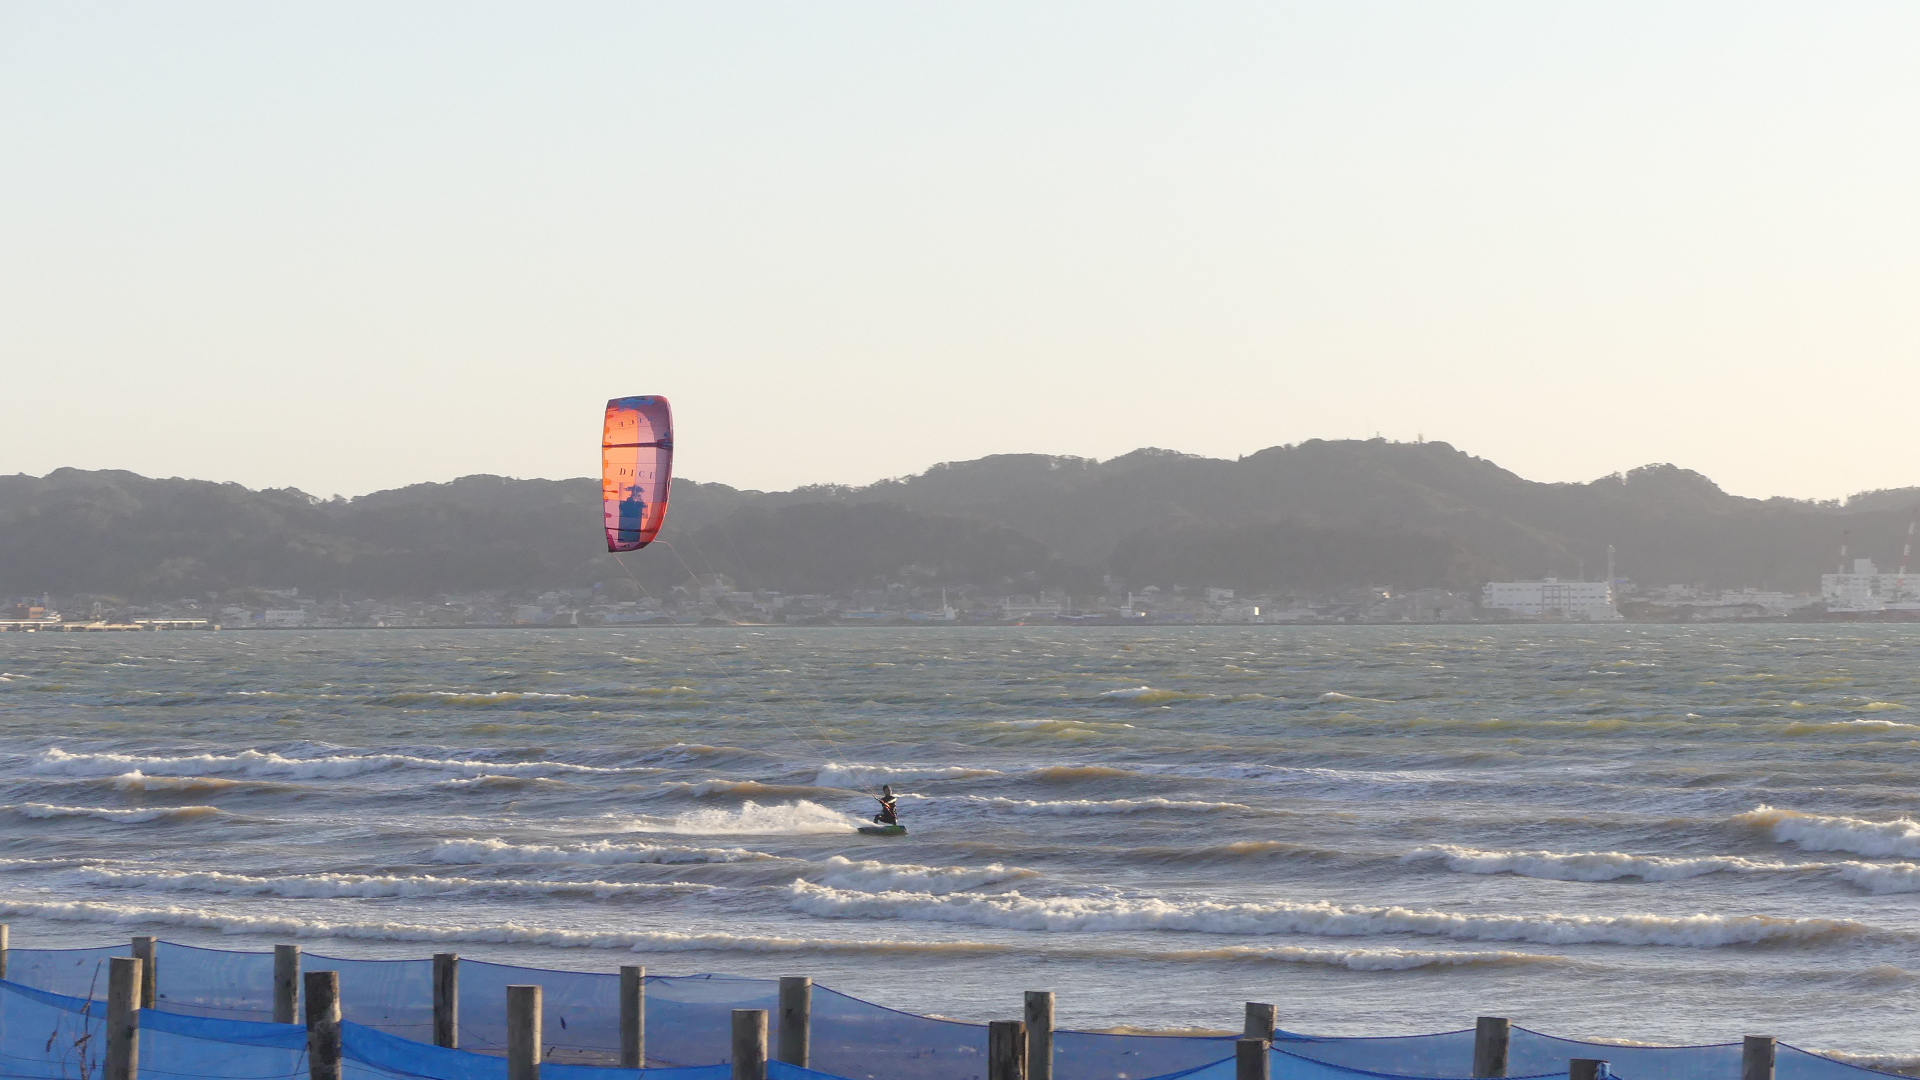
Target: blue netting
214	1009
74	972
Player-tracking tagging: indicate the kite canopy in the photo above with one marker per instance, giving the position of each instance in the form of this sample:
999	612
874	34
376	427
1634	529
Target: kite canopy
636	470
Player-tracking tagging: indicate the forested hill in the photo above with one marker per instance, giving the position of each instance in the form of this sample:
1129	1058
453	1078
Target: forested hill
1319	514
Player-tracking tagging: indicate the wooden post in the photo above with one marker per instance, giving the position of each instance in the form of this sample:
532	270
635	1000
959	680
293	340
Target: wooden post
796	1020
1260	1021
1006	1050
123	1018
3	950
286	984
633	1016
145	950
1039	1017
1491	1034
523	1032
446	999
749	1044
322	991
1756	1057
1586	1069
1251	1060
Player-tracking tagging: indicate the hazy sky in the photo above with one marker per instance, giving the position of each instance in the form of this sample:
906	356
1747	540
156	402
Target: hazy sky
346	246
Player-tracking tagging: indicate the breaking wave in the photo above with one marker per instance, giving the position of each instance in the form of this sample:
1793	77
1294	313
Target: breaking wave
1147	695
1595	865
1815	832
753	819
139	781
502	933
1013	910
1613	865
857	776
701	789
329	886
259	763
870	874
497	782
598	853
1362	959
105	813
471	698
1365	959
1075	807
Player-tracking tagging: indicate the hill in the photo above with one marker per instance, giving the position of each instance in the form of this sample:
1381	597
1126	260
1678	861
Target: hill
1311	515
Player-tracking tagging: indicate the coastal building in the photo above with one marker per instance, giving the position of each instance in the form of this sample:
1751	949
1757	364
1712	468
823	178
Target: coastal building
1027	607
1866	588
1588	601
1424	606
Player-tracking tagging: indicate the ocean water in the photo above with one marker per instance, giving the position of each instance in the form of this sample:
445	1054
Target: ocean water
1667	834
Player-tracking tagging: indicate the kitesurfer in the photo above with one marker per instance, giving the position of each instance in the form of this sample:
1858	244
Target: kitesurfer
888	807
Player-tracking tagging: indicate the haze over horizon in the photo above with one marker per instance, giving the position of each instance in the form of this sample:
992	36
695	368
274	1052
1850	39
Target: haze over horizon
587	474
352	246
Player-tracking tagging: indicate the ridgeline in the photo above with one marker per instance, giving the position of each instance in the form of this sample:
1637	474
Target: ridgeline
1316	515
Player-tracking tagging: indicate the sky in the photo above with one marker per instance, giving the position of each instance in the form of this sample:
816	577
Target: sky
347	246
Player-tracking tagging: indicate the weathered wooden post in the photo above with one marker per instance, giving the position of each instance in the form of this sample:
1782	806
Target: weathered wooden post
123	1018
146	950
1251	1060
523	1032
446	999
749	1044
1007	1050
286	984
1586	1069
4	946
796	1020
1039	1017
1260	1021
322	991
633	1016
1756	1057
1491	1036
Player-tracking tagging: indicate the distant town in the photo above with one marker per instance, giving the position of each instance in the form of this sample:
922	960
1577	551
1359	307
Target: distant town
1861	591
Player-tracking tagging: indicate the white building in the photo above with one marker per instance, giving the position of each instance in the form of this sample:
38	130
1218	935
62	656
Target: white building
1867	589
1590	601
283	617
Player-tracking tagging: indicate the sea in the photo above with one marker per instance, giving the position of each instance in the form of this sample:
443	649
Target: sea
1676	834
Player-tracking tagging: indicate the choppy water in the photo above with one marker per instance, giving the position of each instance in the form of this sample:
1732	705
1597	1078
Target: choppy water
1654	833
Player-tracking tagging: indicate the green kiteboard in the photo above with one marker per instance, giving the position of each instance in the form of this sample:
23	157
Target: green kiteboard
884	830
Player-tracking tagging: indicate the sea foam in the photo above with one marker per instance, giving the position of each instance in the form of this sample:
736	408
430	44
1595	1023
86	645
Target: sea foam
598	853
56	761
330	886
1012	910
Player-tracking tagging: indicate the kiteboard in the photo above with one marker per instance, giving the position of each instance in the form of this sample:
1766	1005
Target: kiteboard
884	830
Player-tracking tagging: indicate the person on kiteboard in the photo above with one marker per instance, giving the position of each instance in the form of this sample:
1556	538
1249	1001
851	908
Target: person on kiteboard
888	807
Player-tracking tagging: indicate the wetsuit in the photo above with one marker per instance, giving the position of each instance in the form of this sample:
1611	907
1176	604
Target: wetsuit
888	807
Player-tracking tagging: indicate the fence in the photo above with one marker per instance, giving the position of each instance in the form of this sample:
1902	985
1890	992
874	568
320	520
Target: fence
209	1013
